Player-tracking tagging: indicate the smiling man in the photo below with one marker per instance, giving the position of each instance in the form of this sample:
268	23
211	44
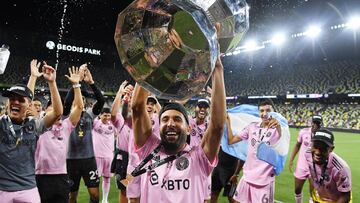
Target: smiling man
18	137
258	182
199	124
329	173
177	172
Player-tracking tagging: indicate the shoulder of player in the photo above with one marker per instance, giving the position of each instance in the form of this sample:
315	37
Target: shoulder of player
254	124
338	163
304	131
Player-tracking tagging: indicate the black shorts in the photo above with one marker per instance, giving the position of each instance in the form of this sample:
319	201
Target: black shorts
85	168
53	188
219	179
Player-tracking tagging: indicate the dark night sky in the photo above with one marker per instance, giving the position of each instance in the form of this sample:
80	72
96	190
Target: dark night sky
93	21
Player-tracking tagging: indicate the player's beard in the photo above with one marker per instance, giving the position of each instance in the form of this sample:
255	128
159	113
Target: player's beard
173	147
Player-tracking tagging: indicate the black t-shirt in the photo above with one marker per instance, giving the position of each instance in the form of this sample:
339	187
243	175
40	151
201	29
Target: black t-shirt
226	161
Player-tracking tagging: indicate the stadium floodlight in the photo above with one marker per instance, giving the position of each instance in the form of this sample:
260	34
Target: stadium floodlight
278	39
313	31
354	23
250	45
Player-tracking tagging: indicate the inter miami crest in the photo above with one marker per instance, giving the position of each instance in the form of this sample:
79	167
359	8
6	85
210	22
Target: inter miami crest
182	163
29	129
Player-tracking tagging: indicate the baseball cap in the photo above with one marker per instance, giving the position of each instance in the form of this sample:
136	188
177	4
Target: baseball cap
19	89
203	101
152	99
325	136
317	119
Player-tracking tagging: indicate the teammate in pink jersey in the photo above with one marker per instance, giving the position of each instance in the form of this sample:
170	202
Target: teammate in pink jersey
50	154
127	158
302	144
103	139
122	122
330	174
258	180
198	127
177	171
199	124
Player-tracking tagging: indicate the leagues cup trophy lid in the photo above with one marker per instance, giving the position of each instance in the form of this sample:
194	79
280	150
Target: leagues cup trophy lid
233	15
168	46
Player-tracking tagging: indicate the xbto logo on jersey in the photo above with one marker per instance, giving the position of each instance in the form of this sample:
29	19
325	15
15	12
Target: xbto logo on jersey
177	184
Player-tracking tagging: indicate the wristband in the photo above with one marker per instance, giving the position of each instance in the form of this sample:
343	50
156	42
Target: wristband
76	86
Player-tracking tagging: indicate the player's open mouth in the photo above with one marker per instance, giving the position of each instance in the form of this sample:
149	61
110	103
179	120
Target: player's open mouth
171	135
15	109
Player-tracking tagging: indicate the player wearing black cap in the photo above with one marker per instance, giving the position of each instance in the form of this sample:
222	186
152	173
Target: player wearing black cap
18	137
330	174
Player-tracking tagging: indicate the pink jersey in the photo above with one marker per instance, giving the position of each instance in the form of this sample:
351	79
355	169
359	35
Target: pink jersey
155	124
124	131
181	180
304	139
335	179
256	171
103	135
133	189
197	131
196	135
52	146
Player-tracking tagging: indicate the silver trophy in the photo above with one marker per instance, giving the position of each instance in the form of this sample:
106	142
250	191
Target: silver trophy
168	46
233	15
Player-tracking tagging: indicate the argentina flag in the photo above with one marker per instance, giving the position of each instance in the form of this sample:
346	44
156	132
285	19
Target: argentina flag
240	117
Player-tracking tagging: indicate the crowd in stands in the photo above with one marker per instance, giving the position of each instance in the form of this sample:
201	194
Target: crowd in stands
330	77
345	116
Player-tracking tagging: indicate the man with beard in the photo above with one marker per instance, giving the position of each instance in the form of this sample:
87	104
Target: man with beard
329	173
18	138
258	180
178	172
302	144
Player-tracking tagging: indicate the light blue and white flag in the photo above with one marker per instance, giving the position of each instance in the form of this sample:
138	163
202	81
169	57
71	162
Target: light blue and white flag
240	117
